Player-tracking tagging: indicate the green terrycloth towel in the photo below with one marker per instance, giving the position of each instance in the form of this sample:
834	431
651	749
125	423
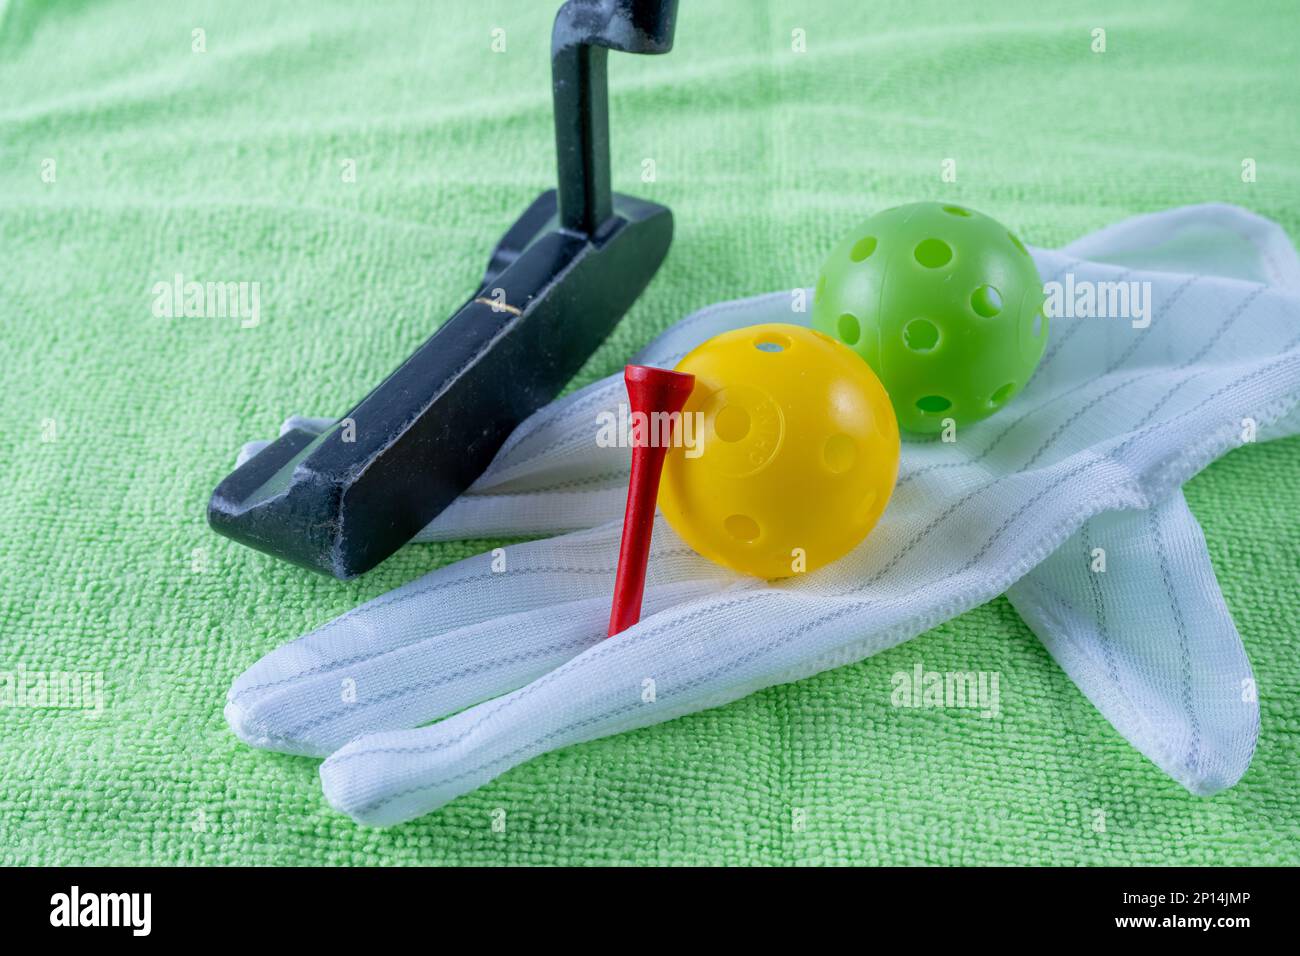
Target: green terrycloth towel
217	141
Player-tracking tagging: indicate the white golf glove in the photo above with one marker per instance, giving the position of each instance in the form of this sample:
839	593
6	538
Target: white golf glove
1090	455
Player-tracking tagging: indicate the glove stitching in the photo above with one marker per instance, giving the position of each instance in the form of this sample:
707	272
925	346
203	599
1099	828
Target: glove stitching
1194	746
572	483
425	685
1153	739
1103	622
398	597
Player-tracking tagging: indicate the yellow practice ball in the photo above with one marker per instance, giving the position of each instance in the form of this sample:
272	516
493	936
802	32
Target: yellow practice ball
795	457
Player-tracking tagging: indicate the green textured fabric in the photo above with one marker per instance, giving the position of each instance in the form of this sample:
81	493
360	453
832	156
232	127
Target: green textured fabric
231	165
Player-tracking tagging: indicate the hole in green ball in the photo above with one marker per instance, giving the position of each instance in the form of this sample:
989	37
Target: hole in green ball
933	404
863	248
1001	395
956	211
933	253
921	335
986	301
849	329
1017	243
741	527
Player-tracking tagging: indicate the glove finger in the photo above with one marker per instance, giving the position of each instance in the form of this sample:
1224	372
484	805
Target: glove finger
459	635
1150	640
384	778
429	678
1214	239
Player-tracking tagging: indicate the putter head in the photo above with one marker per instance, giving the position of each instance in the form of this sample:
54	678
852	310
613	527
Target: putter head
561	277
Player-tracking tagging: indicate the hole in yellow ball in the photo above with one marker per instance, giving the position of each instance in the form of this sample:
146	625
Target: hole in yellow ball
839	453
773	343
849	329
933	253
863	511
863	248
933	404
921	335
741	527
731	423
986	301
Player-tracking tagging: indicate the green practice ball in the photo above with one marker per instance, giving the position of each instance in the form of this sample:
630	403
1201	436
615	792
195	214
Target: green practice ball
945	305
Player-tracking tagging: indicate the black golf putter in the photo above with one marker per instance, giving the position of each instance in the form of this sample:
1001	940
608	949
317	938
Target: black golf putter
343	500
